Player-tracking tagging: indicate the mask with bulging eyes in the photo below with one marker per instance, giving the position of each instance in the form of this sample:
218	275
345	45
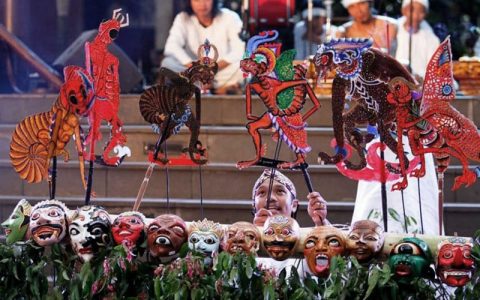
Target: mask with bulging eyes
242	237
410	258
280	236
455	264
89	229
365	240
48	222
205	237
129	228
16	226
321	244
165	236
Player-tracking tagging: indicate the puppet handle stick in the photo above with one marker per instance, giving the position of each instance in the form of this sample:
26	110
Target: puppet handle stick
53	180
143	186
306	176
89	183
440	202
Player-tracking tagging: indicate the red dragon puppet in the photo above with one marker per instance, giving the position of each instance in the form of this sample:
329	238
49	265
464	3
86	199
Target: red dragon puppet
362	76
103	67
282	88
41	137
437	127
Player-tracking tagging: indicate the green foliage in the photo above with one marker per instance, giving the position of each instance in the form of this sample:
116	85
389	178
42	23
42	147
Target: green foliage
22	271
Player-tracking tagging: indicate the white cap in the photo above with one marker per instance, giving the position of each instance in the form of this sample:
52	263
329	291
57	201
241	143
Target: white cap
316	12
347	3
422	2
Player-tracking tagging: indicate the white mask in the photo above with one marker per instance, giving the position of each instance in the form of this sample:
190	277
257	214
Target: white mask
89	230
48	223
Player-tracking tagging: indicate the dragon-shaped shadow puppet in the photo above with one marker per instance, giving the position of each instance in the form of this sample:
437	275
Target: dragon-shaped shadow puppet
282	87
166	107
436	127
40	137
362	76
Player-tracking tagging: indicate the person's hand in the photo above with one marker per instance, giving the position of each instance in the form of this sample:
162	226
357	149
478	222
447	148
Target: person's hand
317	209
261	216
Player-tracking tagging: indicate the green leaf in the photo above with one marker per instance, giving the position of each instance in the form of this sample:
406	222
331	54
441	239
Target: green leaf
372	281
393	213
248	271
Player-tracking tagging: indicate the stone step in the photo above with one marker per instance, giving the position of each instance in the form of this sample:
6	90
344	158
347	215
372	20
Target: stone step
460	218
216	110
219	181
224	144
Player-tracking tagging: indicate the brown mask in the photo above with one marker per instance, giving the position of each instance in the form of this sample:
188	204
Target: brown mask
321	244
365	240
165	236
242	237
280	236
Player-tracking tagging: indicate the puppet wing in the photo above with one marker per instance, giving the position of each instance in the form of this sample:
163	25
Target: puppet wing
438	83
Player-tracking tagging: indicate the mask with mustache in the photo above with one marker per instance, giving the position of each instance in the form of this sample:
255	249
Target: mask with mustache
48	222
280	236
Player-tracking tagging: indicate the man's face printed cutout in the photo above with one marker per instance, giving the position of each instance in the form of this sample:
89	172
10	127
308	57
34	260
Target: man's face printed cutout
280	236
90	231
321	244
48	222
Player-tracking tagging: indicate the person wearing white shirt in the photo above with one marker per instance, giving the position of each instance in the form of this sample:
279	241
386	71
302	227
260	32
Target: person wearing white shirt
424	40
307	43
202	20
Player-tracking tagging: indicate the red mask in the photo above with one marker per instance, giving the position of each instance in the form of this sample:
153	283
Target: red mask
166	235
129	228
455	265
242	237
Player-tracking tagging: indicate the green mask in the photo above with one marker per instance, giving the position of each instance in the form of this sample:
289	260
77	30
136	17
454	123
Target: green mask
17	224
409	259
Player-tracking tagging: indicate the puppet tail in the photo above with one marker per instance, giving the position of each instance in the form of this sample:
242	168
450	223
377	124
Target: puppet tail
28	150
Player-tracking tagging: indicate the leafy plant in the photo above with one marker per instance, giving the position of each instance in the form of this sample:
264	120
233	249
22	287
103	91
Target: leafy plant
22	271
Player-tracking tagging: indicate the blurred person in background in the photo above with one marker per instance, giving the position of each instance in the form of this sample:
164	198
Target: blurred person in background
413	28
364	24
201	20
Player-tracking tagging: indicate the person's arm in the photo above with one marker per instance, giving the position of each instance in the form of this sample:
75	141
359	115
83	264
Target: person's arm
299	43
177	40
317	209
235	45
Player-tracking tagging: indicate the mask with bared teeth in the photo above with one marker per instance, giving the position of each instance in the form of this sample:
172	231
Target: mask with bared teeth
129	229
48	222
321	244
280	236
165	236
242	237
410	258
455	264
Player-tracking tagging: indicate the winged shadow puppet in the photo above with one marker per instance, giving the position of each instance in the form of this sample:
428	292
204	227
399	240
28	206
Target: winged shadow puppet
436	127
165	106
362	76
283	88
